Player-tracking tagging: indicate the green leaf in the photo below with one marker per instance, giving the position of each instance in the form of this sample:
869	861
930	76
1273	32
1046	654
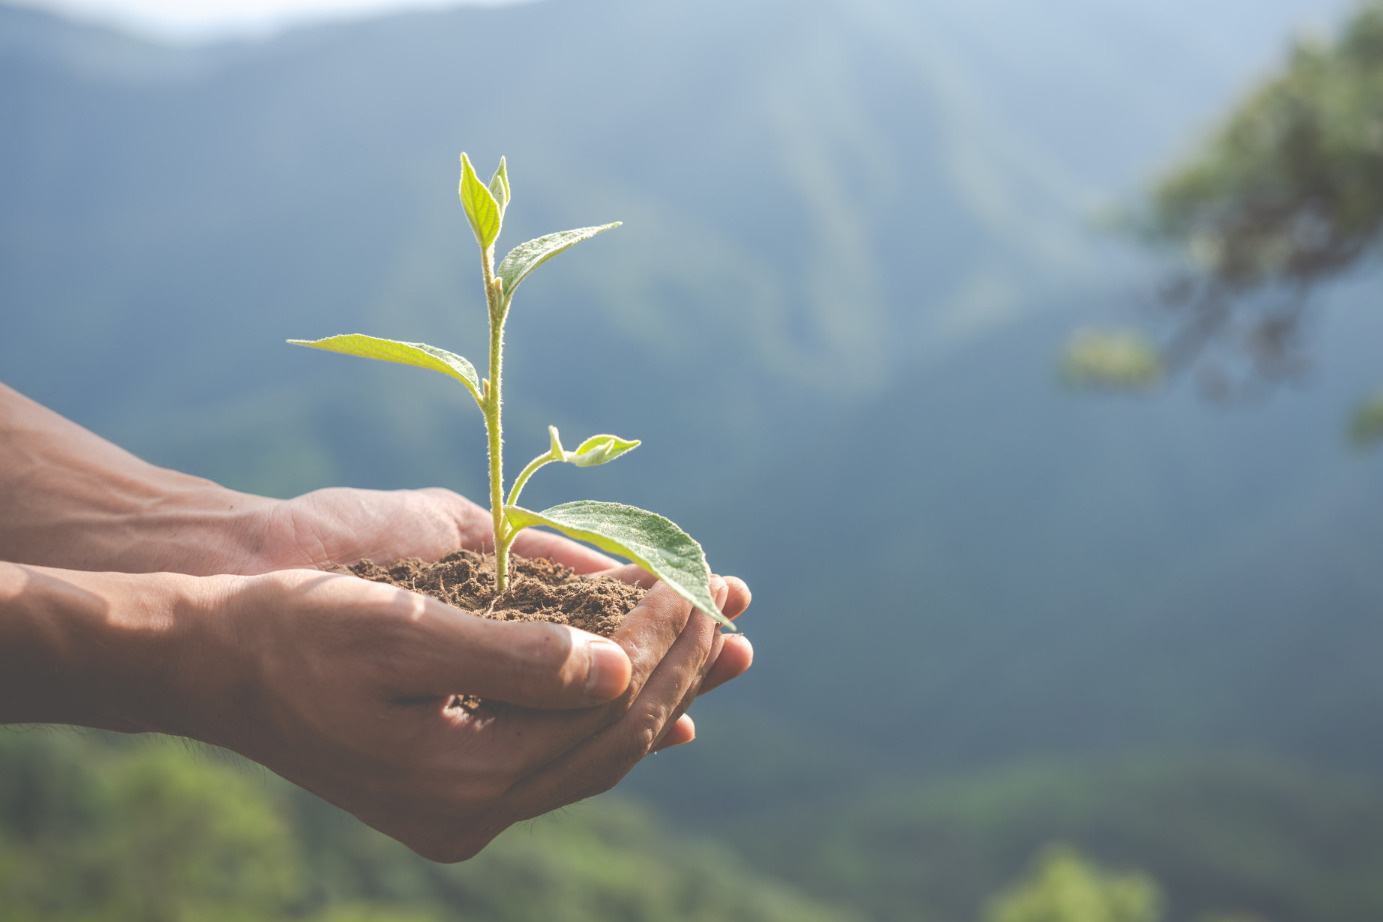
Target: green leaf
388	350
481	208
1366	425
598	449
646	538
526	257
499	188
1116	360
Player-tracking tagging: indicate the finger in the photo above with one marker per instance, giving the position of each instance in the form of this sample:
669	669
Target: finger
474	525
597	765
694	688
536	737
582	559
735	658
721	590
737	597
663	699
533	664
630	573
736	601
650	634
683	730
650	631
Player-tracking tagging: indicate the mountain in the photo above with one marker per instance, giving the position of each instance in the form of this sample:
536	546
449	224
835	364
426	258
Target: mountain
862	189
856	235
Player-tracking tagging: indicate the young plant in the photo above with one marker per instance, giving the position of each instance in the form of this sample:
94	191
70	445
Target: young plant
646	538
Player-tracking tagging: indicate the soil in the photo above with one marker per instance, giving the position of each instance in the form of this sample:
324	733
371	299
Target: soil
539	590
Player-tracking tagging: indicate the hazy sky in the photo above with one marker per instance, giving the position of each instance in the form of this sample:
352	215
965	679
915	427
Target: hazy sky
198	20
191	20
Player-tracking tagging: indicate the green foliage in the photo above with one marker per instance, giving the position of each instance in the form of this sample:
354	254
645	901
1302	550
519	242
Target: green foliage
1291	187
157	833
1218	835
1119	361
97	828
596	450
526	257
375	912
1286	193
1366	427
420	355
1064	887
499	187
609	866
648	539
479	202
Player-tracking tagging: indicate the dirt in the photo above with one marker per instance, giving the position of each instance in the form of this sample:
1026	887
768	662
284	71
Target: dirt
539	590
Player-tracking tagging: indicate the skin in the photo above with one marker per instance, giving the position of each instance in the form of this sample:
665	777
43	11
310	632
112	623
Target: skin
139	599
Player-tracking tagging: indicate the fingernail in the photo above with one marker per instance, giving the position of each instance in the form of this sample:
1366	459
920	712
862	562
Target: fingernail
609	669
719	590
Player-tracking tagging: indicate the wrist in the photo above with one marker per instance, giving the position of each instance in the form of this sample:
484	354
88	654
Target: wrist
70	499
177	525
199	529
104	650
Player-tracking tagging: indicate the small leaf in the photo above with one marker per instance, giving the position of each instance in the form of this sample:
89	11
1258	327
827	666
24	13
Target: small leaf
481	208
526	257
1119	360
499	188
646	538
598	449
388	350
558	453
1366	425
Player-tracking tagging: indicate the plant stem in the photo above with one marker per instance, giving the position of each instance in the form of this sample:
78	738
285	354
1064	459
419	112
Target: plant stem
494	299
524	475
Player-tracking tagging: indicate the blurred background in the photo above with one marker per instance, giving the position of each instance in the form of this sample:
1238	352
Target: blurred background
1019	356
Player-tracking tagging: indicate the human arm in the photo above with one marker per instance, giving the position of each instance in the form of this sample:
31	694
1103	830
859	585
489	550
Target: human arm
71	499
341	686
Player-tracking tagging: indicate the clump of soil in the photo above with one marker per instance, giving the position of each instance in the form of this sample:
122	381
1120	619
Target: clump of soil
539	590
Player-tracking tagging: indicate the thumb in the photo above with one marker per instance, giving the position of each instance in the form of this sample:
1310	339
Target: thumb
530	664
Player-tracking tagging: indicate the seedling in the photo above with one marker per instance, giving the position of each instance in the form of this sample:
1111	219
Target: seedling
646	538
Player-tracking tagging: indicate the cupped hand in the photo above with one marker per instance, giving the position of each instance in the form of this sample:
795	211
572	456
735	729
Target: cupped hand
343	686
341	525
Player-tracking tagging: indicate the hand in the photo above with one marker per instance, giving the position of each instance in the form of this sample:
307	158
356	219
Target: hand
736	654
343	525
342	687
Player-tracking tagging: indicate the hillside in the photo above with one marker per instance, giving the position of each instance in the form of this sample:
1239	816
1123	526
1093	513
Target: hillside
95	827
